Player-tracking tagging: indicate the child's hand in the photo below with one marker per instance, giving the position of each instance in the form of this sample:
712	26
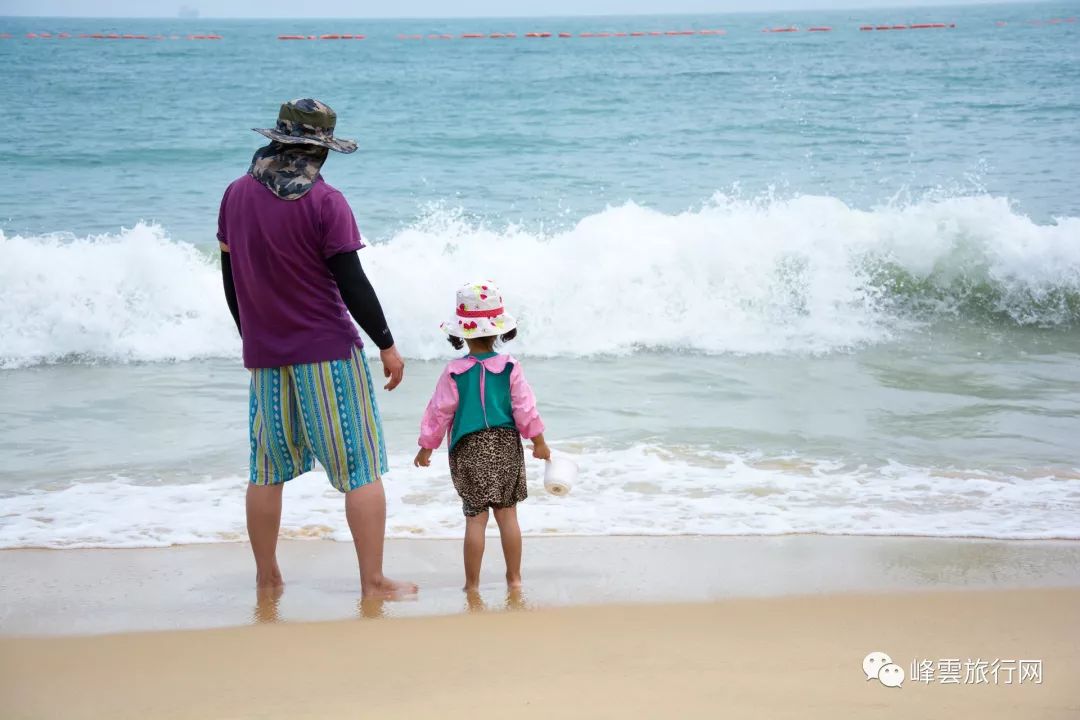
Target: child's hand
540	449
423	458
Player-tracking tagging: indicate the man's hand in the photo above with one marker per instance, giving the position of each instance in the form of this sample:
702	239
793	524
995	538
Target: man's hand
423	458
540	449
393	366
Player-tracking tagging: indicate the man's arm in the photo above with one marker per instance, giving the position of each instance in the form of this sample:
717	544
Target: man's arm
363	304
230	287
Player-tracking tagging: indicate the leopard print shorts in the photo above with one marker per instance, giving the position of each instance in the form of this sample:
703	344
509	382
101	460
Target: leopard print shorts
488	469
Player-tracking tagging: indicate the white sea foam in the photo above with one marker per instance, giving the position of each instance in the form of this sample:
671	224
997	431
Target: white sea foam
128	297
642	490
808	274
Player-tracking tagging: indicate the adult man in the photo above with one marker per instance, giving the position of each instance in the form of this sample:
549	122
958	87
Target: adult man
292	278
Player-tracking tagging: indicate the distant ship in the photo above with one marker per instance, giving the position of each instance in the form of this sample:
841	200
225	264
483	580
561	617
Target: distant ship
187	11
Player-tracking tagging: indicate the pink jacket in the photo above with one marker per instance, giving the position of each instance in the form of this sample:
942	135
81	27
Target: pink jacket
439	417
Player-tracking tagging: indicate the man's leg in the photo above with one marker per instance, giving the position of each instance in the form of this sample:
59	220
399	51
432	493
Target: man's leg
263	522
365	509
277	455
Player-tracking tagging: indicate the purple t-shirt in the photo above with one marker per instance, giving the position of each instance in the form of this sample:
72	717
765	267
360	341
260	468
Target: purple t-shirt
290	309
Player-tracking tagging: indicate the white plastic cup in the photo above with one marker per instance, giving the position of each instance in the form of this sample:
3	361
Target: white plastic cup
559	475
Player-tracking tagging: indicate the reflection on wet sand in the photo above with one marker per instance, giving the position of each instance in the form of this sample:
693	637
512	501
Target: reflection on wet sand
371	608
515	600
267	601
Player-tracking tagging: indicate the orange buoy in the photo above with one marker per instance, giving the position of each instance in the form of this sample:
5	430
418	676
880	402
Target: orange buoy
565	35
866	27
470	36
358	37
782	29
899	27
823	28
290	37
329	37
637	34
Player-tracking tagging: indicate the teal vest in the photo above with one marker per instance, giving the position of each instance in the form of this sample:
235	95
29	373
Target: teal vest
469	417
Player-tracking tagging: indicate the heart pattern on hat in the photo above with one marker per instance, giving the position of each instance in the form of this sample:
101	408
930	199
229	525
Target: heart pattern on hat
479	312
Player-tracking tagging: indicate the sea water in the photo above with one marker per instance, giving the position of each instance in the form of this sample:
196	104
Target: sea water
767	283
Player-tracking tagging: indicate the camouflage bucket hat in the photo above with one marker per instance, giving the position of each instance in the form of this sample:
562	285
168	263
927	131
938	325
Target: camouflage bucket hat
307	122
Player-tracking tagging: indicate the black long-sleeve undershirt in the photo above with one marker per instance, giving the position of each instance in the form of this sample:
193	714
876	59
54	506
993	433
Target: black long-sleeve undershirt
230	289
360	297
355	288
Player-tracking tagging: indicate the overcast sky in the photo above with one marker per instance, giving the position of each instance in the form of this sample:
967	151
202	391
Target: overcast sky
427	8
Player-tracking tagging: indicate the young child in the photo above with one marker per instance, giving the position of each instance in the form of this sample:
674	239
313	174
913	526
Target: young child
484	406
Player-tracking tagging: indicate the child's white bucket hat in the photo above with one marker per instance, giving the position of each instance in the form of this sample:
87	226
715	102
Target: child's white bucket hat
479	312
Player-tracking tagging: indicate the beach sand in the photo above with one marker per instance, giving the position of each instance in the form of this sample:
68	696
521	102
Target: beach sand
200	586
781	657
666	627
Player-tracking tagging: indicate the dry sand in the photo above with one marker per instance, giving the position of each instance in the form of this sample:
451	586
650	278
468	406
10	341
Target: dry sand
787	657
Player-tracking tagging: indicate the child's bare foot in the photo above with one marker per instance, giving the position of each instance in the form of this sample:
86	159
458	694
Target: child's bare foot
388	589
513	582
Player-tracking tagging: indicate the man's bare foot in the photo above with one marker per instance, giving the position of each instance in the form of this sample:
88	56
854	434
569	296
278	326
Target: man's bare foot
269	581
388	589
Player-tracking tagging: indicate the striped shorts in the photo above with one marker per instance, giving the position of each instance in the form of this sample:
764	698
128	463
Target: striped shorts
325	411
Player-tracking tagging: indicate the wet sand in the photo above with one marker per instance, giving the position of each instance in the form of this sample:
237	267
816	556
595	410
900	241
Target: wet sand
201	586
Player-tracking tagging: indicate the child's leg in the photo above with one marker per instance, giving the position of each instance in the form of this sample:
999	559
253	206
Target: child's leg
510	534
475	526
